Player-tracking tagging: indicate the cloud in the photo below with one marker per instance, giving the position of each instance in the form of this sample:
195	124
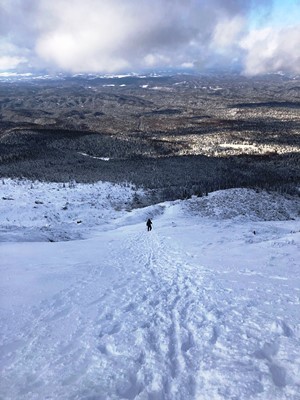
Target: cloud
7	62
271	50
119	35
89	38
11	56
227	32
113	35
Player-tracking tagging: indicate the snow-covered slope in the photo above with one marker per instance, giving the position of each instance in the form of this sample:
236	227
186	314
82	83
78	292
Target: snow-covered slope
205	306
36	211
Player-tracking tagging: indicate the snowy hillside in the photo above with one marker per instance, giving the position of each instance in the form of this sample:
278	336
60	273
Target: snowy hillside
34	211
205	306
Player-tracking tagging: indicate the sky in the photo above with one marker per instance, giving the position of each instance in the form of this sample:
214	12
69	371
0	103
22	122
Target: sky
111	36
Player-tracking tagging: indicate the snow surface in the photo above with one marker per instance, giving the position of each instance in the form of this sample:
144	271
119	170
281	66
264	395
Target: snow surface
205	306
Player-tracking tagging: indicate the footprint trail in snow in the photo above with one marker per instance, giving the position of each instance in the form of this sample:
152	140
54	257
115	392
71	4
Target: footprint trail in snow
146	321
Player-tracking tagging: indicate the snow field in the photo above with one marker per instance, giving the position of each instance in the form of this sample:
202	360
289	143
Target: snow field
198	308
37	211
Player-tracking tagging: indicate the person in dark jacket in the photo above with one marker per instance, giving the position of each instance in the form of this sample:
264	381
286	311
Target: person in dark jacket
149	224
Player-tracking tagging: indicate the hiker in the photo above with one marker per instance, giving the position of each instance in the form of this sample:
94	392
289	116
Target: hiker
149	224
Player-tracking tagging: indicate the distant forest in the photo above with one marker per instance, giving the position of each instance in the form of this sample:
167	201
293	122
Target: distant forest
176	136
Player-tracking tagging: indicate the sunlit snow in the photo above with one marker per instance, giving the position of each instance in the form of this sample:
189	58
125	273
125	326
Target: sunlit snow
205	306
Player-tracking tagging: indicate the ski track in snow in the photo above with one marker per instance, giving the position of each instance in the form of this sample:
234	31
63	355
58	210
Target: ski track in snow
147	317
